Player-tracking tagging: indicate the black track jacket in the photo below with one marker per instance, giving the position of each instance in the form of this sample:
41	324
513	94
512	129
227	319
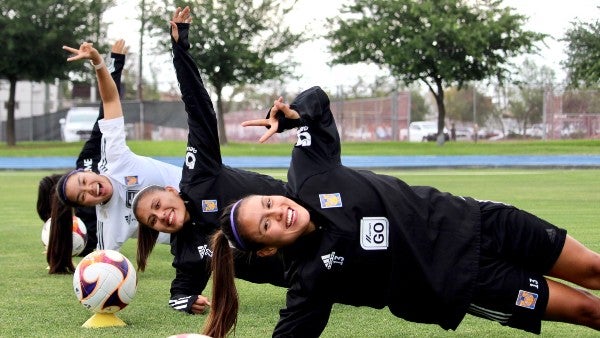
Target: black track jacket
207	186
379	243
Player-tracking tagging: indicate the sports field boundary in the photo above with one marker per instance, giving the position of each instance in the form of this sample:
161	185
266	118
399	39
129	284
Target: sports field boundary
367	162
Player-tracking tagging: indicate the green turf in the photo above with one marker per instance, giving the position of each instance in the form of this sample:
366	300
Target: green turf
177	148
35	304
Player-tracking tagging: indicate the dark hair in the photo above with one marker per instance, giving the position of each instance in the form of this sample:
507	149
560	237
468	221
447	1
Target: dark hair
60	244
146	241
46	191
61	188
230	226
60	241
222	317
146	235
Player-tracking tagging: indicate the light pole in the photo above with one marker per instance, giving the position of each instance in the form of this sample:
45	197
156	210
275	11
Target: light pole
140	95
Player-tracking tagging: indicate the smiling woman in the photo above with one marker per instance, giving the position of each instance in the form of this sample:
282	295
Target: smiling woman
84	188
121	172
426	255
191	214
164	212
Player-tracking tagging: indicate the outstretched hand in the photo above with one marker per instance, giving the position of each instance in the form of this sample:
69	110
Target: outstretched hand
119	47
85	52
179	16
272	122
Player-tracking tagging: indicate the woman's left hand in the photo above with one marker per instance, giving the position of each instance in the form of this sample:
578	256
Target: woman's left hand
179	16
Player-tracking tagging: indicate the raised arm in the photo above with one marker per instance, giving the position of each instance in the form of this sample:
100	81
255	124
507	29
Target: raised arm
106	86
90	153
203	135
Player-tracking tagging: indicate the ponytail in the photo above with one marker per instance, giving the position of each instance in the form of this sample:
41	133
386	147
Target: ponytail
60	244
46	191
146	236
222	317
145	244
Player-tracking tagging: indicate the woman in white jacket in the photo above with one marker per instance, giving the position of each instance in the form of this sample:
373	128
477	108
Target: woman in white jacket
122	172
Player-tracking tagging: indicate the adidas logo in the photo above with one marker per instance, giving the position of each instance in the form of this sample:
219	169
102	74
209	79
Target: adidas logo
331	259
204	251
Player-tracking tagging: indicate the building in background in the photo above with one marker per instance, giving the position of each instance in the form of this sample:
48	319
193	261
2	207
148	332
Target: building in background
31	99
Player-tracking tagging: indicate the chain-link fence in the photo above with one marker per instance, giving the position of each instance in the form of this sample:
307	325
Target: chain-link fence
362	119
572	114
371	119
566	115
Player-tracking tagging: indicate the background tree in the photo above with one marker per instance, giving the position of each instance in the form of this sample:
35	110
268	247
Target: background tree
418	106
234	42
527	102
583	54
459	105
33	33
437	42
579	101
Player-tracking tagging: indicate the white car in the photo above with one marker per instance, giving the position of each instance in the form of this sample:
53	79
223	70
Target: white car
78	123
423	131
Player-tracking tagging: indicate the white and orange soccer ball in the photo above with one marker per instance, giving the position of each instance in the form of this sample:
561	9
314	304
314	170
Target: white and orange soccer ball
105	281
79	235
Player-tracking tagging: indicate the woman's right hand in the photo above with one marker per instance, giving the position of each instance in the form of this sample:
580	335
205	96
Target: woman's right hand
85	52
272	122
200	305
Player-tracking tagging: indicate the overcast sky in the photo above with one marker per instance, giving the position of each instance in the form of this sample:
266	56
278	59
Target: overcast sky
552	17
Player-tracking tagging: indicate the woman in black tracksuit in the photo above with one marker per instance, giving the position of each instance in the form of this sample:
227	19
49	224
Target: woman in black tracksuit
363	239
206	186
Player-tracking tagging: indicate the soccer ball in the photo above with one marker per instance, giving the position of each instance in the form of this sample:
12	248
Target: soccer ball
79	235
105	281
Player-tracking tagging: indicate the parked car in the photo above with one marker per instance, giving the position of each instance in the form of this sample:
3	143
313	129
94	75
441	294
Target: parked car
423	131
78	123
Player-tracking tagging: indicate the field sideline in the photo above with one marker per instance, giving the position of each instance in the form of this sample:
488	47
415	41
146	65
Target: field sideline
177	148
36	304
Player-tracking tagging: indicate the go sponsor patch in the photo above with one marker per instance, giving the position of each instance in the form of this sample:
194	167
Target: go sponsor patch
527	299
209	206
374	233
330	200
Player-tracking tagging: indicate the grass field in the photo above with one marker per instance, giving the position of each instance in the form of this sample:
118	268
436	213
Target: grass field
35	304
177	148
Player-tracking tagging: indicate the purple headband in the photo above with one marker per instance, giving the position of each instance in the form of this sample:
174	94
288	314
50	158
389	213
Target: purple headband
61	187
238	239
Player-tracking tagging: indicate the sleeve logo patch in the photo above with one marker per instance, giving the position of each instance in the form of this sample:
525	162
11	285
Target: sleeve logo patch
330	200
527	299
129	195
209	206
374	233
304	138
131	180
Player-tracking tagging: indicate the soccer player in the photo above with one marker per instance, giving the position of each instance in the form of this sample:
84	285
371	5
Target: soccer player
428	256
122	173
60	245
190	213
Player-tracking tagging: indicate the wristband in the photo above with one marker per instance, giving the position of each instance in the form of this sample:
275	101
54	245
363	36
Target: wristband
98	66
